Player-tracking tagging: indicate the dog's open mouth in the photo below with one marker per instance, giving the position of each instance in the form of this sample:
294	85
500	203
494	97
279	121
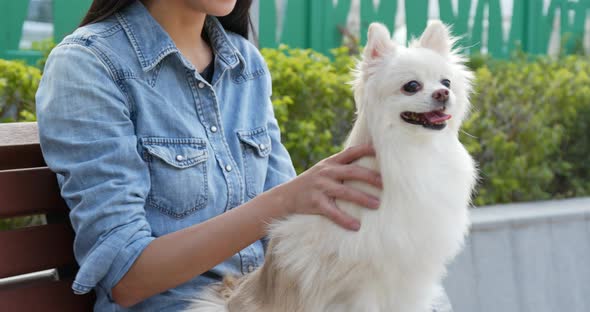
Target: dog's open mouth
435	119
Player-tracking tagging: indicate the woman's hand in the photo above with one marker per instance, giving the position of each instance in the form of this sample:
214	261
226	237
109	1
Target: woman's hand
315	190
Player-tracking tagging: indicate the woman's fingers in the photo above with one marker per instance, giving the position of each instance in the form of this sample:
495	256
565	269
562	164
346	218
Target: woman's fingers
323	183
347	193
353	153
330	210
355	172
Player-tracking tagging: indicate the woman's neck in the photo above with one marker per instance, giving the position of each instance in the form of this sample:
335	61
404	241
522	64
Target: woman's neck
185	26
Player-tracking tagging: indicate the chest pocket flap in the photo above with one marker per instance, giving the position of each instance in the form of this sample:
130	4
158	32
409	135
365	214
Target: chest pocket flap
178	154
257	139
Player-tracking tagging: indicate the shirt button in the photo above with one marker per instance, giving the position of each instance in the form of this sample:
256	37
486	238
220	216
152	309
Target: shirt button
262	146
251	268
228	168
179	157
213	129
201	85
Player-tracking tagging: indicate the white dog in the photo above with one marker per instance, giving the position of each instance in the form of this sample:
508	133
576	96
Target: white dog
410	103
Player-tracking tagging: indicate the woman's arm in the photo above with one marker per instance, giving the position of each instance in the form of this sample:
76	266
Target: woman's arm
177	257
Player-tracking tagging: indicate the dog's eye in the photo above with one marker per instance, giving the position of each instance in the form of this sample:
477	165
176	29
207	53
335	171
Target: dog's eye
412	87
446	83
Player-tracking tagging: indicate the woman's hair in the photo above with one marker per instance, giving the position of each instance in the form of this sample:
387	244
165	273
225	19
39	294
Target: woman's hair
237	21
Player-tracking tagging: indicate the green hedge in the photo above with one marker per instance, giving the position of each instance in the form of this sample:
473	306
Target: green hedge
529	129
18	84
312	101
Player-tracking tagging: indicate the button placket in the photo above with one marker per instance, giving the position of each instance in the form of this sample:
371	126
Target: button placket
209	115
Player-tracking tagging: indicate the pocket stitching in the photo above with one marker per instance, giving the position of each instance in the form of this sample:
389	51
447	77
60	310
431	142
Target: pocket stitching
248	146
246	136
245	151
187	163
201	201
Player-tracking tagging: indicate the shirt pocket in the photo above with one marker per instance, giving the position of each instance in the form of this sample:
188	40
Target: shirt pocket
256	146
178	173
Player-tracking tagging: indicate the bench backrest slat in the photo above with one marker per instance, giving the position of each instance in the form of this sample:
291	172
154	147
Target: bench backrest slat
35	248
29	191
18	133
21	156
45	296
19	146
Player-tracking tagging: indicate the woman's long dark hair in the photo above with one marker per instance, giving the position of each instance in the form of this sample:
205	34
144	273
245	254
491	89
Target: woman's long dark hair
237	21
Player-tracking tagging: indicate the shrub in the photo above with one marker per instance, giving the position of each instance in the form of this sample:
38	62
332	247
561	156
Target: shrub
313	101
528	129
18	84
21	222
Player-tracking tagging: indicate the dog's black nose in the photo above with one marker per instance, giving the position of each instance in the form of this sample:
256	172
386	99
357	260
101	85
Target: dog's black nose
441	95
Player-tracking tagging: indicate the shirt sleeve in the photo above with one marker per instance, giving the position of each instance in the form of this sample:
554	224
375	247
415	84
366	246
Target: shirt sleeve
88	140
280	165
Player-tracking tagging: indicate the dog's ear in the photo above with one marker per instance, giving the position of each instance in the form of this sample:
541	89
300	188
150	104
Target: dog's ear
437	37
378	42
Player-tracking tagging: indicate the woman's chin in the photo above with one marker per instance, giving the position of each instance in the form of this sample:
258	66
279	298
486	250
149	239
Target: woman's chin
214	7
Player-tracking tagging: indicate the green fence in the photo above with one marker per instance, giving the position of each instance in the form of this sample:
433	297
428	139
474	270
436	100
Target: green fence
66	16
318	24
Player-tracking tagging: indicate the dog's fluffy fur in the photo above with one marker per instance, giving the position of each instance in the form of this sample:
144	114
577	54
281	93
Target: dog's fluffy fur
397	259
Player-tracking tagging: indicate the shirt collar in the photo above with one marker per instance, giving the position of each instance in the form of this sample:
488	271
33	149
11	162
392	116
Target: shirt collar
152	43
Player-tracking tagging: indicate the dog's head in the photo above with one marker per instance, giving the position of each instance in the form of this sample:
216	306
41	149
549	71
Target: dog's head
423	88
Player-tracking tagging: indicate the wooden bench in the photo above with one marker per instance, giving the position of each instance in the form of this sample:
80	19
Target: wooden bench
29	188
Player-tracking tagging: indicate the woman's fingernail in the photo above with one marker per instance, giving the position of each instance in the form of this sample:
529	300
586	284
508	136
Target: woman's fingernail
355	226
375	203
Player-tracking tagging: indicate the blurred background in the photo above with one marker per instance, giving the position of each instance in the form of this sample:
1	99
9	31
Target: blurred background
529	248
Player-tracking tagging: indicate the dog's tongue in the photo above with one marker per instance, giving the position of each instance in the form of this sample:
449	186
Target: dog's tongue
436	116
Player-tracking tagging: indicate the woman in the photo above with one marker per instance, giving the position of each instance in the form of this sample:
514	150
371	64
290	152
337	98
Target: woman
156	117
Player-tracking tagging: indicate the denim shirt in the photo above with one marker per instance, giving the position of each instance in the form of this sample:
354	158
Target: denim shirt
143	146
